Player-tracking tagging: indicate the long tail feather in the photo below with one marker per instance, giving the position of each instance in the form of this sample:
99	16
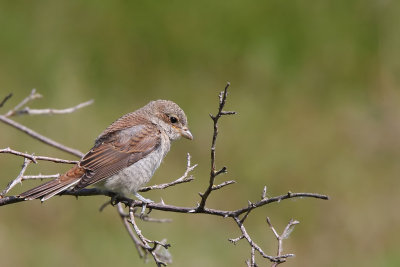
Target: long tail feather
53	187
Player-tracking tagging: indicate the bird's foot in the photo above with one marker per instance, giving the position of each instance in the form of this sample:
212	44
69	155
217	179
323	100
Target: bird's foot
114	200
145	202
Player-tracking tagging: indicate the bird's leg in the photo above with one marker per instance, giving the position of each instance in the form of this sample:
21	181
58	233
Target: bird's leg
145	202
114	199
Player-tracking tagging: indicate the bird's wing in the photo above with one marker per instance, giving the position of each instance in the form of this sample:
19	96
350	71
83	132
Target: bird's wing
118	151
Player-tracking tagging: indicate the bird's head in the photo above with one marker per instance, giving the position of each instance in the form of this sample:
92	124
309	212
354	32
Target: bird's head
170	117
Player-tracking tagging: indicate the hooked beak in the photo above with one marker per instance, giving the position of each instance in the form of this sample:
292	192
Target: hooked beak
186	133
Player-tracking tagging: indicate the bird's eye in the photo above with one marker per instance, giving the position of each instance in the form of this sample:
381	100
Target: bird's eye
173	119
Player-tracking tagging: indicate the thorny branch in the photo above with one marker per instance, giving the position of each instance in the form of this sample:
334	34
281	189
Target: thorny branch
213	173
144	246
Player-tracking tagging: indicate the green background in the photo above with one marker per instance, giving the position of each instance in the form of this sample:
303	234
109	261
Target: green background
316	88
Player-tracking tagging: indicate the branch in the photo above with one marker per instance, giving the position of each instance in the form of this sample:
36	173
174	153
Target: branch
16	180
40	137
245	235
288	230
34	158
49	111
33	95
146	242
18	111
213	173
183	179
140	247
41	177
178	209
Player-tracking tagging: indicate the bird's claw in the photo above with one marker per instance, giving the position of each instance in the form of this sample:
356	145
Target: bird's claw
114	200
145	201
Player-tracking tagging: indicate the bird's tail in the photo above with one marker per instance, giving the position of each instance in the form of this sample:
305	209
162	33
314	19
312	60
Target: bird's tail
53	187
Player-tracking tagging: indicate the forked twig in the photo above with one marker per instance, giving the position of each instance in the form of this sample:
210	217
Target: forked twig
183	179
33	95
17	180
213	173
50	111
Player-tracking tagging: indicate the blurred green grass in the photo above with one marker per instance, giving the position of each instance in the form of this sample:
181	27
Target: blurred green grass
315	85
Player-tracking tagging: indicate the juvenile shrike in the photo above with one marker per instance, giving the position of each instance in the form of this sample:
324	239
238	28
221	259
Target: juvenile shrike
126	155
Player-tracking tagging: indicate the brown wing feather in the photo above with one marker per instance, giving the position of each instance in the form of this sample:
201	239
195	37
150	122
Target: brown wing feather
117	152
112	152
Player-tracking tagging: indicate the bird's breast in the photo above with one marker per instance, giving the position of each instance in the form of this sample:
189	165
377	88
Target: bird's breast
131	178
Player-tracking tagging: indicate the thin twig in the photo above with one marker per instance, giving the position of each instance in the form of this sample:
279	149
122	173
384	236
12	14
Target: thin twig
136	241
285	234
280	258
40	176
33	95
216	187
34	158
17	180
49	111
146	241
183	179
213	173
253	257
40	137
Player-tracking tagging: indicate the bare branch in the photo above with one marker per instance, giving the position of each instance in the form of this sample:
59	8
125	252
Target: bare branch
17	111
264	193
33	95
40	137
216	187
235	240
145	217
213	173
17	180
145	241
140	247
136	241
288	229
251	207
40	176
253	257
280	258
49	111
183	179
280	198
34	158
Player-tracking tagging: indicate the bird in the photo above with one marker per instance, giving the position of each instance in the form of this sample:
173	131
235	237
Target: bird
125	155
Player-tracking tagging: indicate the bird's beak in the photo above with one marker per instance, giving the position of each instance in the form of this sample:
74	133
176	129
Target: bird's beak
186	133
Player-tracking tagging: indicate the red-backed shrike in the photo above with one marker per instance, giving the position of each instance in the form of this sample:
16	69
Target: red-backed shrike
126	155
